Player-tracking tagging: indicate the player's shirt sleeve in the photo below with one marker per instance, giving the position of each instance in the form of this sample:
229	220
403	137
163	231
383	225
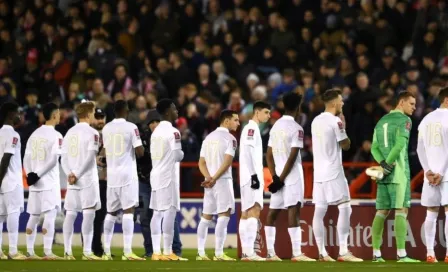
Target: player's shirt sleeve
64	149
249	136
11	142
375	149
202	153
94	143
339	129
175	140
136	140
297	137
231	146
56	148
404	129
270	141
28	150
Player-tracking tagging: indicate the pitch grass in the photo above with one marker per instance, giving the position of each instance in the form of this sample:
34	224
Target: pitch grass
192	265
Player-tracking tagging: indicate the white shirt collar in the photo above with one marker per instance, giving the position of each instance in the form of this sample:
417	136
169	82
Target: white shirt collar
223	129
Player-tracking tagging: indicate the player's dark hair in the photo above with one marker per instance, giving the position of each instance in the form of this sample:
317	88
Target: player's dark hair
330	95
443	94
120	106
163	106
226	114
292	101
404	95
6	109
48	110
261	105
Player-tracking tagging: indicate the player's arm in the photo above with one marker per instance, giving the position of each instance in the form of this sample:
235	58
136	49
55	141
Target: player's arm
4	166
270	161
27	158
51	163
90	159
296	145
228	159
421	152
375	149
176	146
137	143
402	136
249	143
203	168
341	135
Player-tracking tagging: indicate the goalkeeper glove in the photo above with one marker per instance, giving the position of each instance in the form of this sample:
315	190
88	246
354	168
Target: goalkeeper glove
276	184
387	168
32	178
254	182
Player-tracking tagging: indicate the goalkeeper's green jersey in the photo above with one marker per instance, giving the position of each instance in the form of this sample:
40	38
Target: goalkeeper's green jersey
390	143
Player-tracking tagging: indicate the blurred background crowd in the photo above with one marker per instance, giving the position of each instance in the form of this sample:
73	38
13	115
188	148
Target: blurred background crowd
209	55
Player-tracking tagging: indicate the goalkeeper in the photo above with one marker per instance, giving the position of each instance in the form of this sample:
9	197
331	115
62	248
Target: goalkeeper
390	150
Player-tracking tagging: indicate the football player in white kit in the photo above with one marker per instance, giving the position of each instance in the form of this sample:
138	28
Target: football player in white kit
122	144
41	163
79	150
11	185
432	150
251	179
285	164
330	185
215	164
166	153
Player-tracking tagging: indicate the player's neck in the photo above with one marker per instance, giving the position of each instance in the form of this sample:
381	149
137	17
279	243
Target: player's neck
50	123
256	120
223	126
84	120
444	106
291	114
399	109
331	110
8	123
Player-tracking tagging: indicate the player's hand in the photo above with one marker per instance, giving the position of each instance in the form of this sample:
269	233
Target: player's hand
101	161
430	176
72	179
254	182
437	179
32	178
387	168
342	117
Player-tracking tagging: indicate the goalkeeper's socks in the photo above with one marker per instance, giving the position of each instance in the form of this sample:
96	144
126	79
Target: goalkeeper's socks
202	235
377	230
67	230
31	229
400	233
242	231
296	239
270	239
343	227
430	231
220	234
109	224
251	235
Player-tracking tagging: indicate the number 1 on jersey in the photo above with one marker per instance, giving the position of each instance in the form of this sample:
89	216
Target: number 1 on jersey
386	144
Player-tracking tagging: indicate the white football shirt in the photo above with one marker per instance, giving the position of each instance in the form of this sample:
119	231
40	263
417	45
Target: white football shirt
284	135
433	134
10	144
327	131
78	142
120	137
43	145
214	148
164	141
250	137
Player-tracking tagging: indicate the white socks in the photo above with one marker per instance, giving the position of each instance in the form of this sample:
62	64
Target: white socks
67	230
2	220
13	231
270	239
156	231
48	226
251	235
202	235
31	225
242	230
319	229
109	224
87	230
169	216
430	232
343	227
221	234
446	231
128	232
296	240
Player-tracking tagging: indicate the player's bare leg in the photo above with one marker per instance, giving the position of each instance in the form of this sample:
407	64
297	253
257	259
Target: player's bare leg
343	227
128	233
377	234
206	219
31	229
270	231
295	234
220	237
253	214
430	233
108	232
88	216
67	230
319	231
242	230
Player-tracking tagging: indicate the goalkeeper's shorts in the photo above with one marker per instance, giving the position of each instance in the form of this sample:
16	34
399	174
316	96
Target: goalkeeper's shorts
393	196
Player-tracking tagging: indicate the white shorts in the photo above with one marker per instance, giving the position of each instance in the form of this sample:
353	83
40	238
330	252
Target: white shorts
122	197
331	192
43	201
435	196
288	196
220	198
12	202
250	196
165	198
78	200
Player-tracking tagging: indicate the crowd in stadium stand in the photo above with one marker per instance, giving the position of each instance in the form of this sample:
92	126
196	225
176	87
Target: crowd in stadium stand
210	55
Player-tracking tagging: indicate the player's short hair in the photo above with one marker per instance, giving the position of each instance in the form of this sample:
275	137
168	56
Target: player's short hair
330	95
261	105
292	101
120	106
443	93
83	109
48	110
164	105
226	114
6	109
404	95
